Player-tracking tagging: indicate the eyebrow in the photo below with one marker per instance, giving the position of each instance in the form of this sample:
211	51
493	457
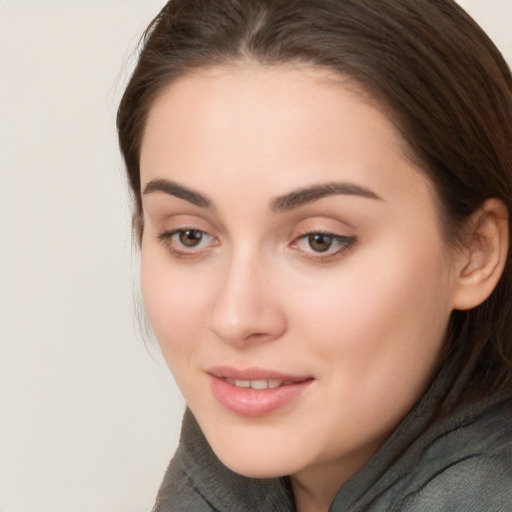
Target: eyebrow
179	191
307	195
280	204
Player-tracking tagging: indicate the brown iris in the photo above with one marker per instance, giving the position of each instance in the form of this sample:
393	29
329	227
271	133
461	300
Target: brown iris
320	242
190	237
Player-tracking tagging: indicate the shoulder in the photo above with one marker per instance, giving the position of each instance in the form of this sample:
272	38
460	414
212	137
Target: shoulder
478	483
465	466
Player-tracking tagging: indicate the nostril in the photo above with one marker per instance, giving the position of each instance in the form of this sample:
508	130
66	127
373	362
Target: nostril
259	328
258	336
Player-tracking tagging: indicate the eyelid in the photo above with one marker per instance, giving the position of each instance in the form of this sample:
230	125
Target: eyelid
345	243
181	251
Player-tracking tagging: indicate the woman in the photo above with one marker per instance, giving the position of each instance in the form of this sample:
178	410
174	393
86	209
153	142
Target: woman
321	195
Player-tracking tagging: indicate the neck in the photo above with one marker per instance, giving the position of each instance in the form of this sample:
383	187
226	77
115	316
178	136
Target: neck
315	490
305	501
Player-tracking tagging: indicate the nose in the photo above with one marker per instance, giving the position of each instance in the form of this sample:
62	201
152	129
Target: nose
246	307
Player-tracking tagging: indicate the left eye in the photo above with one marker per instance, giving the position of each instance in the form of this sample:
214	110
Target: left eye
323	243
320	242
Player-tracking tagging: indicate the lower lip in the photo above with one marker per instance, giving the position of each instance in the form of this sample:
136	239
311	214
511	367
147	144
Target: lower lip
255	402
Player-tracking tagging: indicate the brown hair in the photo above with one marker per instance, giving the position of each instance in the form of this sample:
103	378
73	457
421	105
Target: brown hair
446	85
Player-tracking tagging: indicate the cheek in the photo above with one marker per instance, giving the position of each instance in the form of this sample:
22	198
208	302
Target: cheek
373	337
175	304
379	313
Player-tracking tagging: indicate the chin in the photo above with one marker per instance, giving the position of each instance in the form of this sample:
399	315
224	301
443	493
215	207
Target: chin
255	454
262	467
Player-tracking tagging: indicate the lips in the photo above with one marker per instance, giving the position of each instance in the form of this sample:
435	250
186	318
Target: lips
255	392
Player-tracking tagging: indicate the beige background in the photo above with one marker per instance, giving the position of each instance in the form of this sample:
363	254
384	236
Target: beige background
88	417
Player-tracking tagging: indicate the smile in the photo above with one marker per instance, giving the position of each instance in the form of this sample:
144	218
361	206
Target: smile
258	384
256	392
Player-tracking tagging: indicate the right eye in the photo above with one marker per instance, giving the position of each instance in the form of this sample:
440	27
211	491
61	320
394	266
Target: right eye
186	242
190	237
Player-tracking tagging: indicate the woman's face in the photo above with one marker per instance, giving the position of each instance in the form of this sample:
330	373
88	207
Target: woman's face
292	267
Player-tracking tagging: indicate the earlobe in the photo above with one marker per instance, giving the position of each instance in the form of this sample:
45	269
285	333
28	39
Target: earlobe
480	265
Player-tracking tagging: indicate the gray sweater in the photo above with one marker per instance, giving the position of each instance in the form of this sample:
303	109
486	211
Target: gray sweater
461	462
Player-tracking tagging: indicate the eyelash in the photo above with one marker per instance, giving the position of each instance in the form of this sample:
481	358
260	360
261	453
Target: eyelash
345	244
166	239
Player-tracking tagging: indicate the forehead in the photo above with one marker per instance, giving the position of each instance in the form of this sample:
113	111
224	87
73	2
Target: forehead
249	121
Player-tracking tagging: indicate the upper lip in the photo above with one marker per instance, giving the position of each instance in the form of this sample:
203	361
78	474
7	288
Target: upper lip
254	373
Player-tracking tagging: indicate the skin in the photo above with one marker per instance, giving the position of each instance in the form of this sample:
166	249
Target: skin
365	319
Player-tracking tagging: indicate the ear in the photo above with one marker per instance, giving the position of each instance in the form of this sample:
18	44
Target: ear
481	261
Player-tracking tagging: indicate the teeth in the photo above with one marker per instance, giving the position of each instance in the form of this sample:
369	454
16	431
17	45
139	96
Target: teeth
259	384
255	384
